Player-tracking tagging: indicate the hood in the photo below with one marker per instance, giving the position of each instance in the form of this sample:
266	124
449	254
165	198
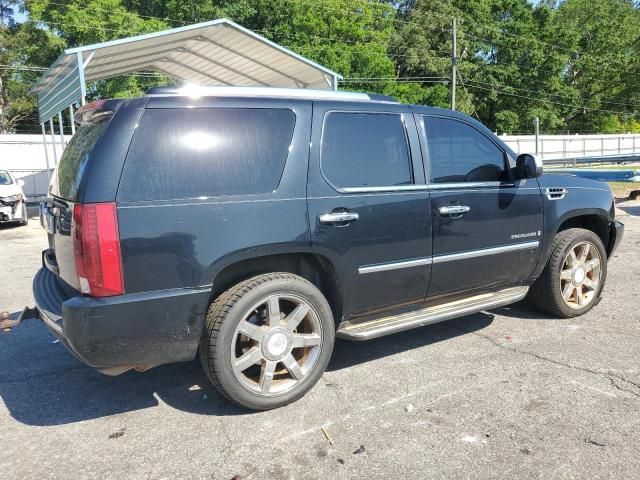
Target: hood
549	179
8	190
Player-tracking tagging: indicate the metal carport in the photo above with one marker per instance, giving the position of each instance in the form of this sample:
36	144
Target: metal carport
219	52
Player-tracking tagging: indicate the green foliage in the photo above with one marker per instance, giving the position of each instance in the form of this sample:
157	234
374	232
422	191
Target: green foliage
507	121
574	64
23	44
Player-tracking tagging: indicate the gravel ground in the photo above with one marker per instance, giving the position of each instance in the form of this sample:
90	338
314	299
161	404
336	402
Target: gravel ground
503	394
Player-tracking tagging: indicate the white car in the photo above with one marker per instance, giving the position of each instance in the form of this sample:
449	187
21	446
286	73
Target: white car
13	205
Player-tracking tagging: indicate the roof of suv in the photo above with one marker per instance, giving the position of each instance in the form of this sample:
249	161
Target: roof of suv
266	92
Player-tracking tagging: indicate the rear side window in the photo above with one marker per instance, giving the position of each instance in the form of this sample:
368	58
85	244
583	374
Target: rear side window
190	153
460	153
76	155
365	150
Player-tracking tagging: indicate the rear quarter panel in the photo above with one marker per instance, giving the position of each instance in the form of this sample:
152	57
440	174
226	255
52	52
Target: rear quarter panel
187	242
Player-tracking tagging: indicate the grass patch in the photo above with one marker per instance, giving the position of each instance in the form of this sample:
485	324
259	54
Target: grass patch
623	189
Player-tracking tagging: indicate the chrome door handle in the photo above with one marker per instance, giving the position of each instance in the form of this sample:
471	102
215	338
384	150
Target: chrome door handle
454	210
338	217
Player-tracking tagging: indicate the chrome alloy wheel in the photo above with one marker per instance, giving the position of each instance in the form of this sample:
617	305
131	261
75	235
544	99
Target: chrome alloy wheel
276	344
580	275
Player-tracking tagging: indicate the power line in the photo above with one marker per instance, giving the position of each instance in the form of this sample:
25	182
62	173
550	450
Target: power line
550	94
544	100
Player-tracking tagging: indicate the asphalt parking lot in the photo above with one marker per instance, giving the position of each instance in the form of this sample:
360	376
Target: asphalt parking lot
504	394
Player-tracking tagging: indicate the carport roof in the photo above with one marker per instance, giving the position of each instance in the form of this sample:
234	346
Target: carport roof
219	52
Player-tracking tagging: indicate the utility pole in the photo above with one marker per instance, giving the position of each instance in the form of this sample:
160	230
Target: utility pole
454	62
536	126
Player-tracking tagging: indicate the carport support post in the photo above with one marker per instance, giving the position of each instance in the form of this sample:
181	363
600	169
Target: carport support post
81	65
61	127
73	124
53	143
46	153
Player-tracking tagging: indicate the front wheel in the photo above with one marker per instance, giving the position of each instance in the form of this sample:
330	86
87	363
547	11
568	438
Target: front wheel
267	340
25	216
572	281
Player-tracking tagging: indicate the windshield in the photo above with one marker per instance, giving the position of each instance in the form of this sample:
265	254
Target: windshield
5	178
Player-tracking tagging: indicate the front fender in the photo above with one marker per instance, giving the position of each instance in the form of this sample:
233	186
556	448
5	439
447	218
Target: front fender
583	198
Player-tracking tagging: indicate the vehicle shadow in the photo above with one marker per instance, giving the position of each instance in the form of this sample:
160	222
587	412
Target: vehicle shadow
523	311
347	354
42	384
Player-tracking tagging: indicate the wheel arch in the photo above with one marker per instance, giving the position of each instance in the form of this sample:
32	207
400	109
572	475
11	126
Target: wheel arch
316	268
595	220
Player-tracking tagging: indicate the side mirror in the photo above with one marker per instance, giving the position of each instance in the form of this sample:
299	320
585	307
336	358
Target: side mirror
528	166
20	182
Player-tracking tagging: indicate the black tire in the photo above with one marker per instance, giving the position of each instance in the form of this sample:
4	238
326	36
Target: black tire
25	216
546	293
233	306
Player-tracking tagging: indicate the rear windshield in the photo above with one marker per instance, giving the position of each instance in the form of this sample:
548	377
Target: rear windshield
75	157
209	152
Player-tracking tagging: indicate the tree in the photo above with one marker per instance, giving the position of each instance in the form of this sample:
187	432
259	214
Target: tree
575	64
21	47
604	63
7	11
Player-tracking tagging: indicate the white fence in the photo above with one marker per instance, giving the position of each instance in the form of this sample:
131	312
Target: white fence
574	146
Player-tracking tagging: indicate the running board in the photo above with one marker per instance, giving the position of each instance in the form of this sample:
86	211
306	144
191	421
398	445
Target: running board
426	316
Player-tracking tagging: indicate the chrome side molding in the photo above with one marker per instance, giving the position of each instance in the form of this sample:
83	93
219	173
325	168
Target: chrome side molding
426	316
416	262
383	267
486	251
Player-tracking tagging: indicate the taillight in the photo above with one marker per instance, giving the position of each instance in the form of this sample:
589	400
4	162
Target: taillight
96	247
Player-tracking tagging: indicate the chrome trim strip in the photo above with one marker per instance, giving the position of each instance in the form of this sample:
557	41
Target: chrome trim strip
456	185
383	267
486	251
391	188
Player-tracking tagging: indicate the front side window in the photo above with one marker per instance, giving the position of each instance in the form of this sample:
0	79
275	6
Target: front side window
459	153
208	152
365	150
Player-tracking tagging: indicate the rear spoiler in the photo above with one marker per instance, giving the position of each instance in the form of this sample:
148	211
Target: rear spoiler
93	113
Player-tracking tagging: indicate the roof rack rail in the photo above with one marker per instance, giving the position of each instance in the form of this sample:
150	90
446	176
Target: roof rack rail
223	91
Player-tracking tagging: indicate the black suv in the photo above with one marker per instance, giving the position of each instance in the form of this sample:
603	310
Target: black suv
256	225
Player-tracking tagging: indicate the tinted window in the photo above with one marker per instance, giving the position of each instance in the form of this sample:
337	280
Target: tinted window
460	153
365	150
68	173
189	153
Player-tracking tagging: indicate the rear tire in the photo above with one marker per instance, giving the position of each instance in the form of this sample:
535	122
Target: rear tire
25	217
572	282
267	340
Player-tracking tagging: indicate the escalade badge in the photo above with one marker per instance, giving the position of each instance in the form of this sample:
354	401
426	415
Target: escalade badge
526	235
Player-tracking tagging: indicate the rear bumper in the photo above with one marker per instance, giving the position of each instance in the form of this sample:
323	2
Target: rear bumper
115	334
616	230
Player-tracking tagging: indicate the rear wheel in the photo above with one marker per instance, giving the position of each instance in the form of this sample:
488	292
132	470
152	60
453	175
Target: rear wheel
267	340
572	281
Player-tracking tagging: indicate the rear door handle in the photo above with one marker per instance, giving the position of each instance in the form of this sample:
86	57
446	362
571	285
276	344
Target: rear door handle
338	217
454	210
